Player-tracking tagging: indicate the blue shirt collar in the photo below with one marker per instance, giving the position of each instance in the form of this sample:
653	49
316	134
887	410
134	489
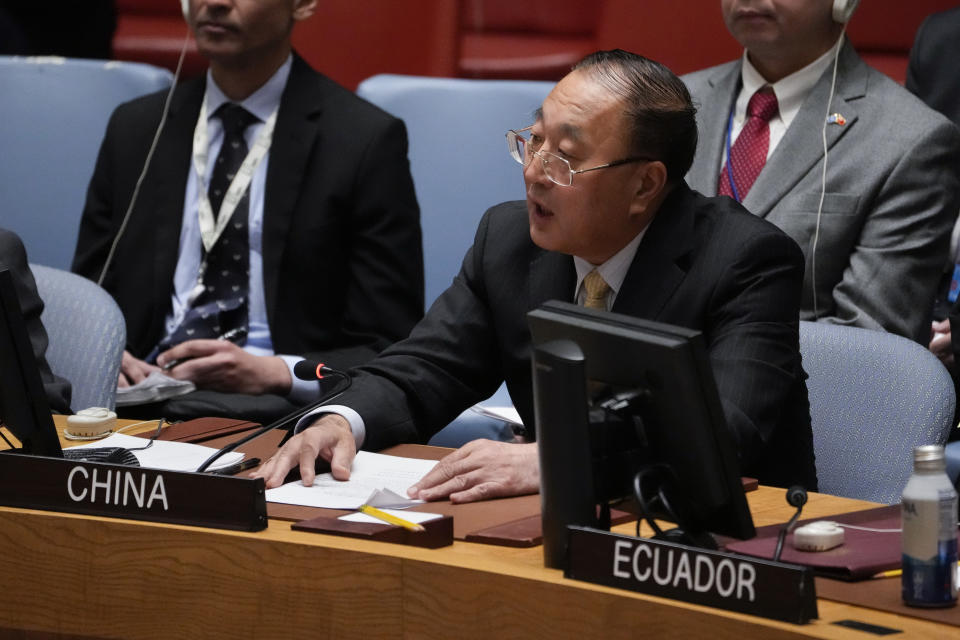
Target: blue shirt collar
261	102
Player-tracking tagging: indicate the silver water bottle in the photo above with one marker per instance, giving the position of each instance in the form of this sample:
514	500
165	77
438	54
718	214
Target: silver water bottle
929	517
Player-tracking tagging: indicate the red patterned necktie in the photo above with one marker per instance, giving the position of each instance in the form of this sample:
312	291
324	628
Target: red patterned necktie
749	152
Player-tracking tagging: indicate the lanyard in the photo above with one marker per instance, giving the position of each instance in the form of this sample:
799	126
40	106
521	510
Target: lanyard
733	185
210	228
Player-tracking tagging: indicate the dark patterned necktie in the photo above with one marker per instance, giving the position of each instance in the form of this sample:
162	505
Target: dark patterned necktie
749	152
221	309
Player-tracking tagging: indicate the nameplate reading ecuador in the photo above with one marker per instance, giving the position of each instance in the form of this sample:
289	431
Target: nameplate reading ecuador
714	578
198	499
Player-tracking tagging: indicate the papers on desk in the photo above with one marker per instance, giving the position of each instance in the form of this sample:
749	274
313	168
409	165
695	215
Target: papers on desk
508	414
154	388
164	454
371	477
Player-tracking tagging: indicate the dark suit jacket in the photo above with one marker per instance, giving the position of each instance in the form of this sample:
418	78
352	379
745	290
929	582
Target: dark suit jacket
342	259
704	263
931	74
14	257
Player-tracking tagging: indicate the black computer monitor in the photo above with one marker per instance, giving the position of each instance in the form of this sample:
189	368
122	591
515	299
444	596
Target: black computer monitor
616	396
24	410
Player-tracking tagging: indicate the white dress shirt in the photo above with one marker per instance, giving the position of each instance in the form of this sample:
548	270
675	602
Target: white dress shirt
791	91
613	272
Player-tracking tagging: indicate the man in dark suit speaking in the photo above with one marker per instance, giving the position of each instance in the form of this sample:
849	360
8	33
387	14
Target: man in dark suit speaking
608	221
278	211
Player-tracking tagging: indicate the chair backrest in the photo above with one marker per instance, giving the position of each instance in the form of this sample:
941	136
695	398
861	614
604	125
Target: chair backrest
54	113
874	396
87	335
458	155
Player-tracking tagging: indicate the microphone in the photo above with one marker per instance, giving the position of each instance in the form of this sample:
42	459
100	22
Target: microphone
312	370
315	369
796	497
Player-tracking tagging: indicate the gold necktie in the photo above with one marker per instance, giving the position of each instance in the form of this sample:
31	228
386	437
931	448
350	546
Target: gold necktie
597	290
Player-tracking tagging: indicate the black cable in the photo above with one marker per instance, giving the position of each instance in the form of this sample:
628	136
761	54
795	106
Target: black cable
282	421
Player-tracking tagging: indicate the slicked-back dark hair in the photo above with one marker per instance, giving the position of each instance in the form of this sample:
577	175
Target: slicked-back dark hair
656	102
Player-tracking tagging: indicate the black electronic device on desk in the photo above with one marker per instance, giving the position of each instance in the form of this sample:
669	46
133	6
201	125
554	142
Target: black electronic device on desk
622	401
23	403
37	476
628	409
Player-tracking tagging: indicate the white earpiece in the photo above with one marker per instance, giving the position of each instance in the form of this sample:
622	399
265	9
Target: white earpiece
843	9
185	8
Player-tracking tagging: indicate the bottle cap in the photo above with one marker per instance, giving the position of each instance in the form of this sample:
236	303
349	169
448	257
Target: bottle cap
928	456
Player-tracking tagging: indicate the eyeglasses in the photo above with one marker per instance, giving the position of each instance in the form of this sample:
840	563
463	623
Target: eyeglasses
555	167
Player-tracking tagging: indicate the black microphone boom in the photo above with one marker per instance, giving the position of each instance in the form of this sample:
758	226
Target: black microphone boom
315	368
796	497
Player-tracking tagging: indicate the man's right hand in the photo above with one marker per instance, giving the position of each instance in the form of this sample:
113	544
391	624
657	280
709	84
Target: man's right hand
133	370
329	437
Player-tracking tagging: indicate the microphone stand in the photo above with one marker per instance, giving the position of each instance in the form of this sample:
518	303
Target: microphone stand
796	497
282	422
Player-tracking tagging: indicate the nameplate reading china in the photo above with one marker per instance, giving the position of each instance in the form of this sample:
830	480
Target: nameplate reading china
713	578
198	499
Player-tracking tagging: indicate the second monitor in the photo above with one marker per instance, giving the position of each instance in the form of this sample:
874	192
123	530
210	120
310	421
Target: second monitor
616	396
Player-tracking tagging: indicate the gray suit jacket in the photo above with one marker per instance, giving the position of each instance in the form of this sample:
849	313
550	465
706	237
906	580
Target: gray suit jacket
892	192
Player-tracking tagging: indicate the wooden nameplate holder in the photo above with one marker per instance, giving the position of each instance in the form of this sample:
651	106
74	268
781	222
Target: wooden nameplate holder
756	586
437	533
138	493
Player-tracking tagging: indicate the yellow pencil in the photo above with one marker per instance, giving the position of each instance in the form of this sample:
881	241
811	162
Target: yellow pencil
888	574
390	518
892	573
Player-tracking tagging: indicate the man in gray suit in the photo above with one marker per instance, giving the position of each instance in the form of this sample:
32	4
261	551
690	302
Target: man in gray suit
874	224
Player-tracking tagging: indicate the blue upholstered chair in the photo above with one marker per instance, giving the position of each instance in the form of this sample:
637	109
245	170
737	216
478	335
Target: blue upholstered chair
87	335
458	155
874	396
460	167
952	454
54	112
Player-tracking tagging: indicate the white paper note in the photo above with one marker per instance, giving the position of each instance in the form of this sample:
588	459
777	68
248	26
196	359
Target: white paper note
417	517
154	388
507	414
164	454
370	472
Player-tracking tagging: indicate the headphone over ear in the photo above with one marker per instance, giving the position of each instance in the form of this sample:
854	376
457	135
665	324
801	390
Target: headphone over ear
843	9
185	8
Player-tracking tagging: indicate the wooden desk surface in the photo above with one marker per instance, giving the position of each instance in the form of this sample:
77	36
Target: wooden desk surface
131	427
104	578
